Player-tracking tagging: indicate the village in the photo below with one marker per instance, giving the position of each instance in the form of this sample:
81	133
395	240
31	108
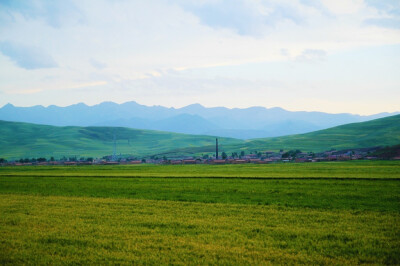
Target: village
264	157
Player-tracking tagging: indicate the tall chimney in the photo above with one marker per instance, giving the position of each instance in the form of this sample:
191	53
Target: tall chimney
216	149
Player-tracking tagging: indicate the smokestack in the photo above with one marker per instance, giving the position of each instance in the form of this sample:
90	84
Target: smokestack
216	149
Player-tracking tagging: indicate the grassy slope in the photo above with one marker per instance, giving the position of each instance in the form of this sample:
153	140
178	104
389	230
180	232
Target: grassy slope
30	140
378	132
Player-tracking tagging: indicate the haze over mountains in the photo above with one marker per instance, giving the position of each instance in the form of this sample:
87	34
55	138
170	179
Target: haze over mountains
247	123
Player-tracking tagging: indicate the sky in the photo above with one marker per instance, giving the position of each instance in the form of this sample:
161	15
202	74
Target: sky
330	55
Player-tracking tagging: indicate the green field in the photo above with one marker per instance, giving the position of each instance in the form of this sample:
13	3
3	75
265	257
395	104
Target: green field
347	169
322	213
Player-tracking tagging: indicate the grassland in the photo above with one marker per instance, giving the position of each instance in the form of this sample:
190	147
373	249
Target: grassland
378	132
377	195
76	230
347	169
24	140
244	214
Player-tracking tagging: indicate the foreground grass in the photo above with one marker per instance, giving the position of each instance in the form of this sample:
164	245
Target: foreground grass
349	169
75	230
324	213
347	194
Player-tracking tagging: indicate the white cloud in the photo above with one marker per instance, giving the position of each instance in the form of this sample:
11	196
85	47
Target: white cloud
339	7
134	45
311	55
27	57
97	64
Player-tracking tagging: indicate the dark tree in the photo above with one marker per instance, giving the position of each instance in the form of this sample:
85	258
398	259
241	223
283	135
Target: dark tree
291	153
224	156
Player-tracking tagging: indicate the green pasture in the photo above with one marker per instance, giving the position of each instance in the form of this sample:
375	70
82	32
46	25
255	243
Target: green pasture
354	194
323	213
346	169
85	230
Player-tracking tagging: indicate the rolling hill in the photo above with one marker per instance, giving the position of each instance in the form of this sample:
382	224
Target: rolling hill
23	140
378	132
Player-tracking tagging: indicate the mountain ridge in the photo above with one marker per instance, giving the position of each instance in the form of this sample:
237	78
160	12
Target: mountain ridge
244	123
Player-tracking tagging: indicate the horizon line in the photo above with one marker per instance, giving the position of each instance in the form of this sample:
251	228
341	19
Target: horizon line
194	104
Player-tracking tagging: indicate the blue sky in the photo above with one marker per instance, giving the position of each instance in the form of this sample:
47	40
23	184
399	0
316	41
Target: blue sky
328	55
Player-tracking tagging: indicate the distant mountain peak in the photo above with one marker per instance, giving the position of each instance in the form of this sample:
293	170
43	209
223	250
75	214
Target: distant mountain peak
8	105
78	105
106	103
194	105
130	103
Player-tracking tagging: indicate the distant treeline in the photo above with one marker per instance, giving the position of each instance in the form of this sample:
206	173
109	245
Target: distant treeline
52	159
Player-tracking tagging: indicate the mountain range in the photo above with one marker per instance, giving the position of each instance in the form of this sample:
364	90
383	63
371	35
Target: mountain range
246	123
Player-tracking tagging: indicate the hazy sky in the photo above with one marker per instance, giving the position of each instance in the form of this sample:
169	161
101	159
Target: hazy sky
329	55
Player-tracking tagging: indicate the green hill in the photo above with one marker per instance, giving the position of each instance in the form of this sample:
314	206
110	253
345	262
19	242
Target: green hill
378	132
23	140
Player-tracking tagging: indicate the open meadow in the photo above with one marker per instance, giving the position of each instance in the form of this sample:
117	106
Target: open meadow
315	213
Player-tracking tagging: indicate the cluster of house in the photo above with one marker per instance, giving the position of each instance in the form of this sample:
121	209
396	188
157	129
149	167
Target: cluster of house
276	157
256	158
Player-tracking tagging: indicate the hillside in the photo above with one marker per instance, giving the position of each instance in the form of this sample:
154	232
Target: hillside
378	132
23	140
